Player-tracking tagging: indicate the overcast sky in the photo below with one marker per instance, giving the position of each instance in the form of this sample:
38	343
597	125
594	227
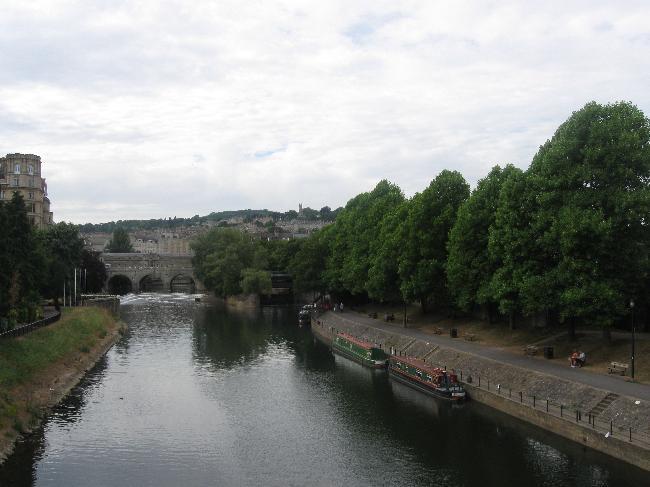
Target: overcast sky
160	108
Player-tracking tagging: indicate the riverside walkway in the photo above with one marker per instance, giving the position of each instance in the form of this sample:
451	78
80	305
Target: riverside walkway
609	383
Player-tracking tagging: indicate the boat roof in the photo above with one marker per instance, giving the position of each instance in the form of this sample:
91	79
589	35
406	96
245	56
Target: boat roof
356	341
420	364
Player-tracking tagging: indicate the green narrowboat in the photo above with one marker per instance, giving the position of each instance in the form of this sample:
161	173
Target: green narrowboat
426	378
366	353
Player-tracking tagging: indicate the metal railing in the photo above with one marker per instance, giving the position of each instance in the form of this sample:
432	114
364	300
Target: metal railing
24	329
585	419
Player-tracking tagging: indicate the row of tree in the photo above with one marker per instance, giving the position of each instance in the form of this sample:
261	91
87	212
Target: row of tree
34	264
567	238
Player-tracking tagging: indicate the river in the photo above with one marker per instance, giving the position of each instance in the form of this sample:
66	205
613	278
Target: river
198	395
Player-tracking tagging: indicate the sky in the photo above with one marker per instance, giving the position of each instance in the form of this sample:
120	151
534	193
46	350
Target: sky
155	109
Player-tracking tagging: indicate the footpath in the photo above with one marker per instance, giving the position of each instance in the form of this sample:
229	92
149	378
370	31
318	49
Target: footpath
603	412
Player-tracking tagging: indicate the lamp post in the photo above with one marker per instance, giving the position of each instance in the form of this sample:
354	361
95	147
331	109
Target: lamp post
632	363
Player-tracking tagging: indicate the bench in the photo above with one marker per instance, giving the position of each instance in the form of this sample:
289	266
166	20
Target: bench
470	337
372	315
389	317
531	349
437	331
617	368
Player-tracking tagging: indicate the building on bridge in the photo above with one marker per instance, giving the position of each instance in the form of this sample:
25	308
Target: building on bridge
135	272
22	173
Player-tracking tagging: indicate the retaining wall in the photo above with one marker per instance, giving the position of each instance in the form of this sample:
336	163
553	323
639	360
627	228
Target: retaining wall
621	429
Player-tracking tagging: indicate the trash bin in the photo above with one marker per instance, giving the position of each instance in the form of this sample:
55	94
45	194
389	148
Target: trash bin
453	333
548	352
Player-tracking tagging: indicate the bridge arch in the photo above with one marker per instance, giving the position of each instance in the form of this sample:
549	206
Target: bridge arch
119	284
182	283
151	283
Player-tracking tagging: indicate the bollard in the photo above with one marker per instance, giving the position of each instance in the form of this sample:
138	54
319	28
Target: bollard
509	392
611	428
488	384
533	401
547	405
461	376
561	408
521	397
479	381
630	435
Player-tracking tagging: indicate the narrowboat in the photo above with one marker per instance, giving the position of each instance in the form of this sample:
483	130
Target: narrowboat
366	353
426	378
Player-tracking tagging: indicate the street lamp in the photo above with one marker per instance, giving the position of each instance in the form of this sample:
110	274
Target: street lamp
632	308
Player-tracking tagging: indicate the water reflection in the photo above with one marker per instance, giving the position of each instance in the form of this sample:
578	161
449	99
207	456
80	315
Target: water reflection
195	394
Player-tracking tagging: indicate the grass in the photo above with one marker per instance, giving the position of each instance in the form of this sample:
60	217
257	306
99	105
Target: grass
22	358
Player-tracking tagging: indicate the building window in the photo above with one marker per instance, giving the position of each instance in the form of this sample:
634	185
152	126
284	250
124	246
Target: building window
2	195
17	169
30	195
14	182
30	169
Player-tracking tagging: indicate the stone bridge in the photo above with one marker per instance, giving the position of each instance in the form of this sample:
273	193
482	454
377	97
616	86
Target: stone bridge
134	272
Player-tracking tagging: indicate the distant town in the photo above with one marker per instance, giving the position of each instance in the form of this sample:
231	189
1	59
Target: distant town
172	236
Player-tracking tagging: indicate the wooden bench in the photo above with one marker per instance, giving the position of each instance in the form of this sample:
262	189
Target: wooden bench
372	315
389	317
531	349
437	331
617	368
470	337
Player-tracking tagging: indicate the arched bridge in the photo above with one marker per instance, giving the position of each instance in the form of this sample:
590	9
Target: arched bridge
134	272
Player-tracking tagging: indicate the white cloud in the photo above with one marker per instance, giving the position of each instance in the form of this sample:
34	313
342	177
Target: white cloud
154	109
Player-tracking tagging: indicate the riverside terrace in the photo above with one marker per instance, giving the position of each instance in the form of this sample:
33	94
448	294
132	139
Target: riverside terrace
603	412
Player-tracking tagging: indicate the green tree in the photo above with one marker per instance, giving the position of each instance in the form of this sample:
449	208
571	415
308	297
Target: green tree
121	242
353	233
592	181
94	271
256	281
469	266
423	256
384	282
307	265
221	256
63	249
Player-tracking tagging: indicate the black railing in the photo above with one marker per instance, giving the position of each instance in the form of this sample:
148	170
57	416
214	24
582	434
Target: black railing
24	329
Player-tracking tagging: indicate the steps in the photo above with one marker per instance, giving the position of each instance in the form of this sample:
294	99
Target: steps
603	404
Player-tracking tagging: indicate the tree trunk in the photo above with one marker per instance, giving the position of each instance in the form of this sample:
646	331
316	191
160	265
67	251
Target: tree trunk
572	329
423	305
511	320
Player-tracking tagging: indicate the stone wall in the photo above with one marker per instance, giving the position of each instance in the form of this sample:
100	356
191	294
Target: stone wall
524	393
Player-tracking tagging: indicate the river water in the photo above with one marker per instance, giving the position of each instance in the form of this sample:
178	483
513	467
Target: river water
197	395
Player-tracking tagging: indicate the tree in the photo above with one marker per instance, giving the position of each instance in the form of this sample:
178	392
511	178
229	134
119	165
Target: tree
94	271
63	249
221	256
121	242
423	256
469	266
256	281
22	261
592	181
384	282
308	263
353	233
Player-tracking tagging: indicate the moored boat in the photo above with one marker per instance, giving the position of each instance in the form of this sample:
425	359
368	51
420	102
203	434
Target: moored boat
362	351
304	318
426	378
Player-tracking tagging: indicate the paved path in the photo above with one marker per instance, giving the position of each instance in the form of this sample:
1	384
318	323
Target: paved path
609	383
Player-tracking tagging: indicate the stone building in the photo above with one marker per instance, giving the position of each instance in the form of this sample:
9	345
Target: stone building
22	173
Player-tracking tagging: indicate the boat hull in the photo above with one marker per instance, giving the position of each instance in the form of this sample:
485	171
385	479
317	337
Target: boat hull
352	356
407	380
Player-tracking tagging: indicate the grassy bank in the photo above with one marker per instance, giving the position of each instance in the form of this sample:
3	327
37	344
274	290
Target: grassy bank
37	368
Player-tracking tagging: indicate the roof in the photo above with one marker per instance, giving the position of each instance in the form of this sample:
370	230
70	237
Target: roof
356	341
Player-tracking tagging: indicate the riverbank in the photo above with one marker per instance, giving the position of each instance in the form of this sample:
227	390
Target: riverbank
572	409
37	370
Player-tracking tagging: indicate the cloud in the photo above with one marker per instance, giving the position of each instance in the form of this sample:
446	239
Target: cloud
152	109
